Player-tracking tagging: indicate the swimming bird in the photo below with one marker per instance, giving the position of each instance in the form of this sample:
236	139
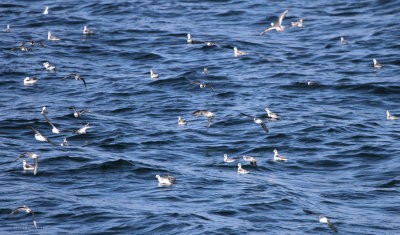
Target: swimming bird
79	114
238	53
40	137
28	81
226	159
250	159
32	156
26	166
48	66
389	116
205	70
278	25
77	77
208	43
323	219
152	74
65	142
258	121
86	31
44	110
23	48
309	82
298	23
205	113
241	170
8	29
165	180
376	64
27	210
189	38
33	43
181	121
51	37
342	41
271	114
278	157
203	85
46	11
83	129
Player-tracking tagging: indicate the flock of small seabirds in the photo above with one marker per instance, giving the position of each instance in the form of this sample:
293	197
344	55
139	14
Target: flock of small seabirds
163	180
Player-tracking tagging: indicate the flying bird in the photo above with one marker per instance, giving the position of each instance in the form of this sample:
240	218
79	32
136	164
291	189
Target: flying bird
77	77
27	210
323	219
205	113
39	136
33	43
278	25
258	121
79	114
203	85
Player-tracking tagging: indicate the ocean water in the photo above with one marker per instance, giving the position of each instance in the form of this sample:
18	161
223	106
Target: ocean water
343	153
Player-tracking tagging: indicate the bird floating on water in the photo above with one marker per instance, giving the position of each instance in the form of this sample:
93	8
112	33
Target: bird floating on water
49	67
51	37
181	121
32	156
77	77
205	70
226	159
165	180
389	116
271	114
238	53
376	64
65	142
28	81
8	29
241	170
46	11
309	82
342	41
86	31
278	157
26	166
298	24
203	85
153	75
27	210
278	25
258	121
205	113
40	137
323	219
79	114
250	159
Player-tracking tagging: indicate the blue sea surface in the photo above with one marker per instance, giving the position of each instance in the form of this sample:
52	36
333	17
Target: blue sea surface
344	156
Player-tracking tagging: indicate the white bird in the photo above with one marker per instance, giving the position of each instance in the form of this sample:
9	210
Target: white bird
189	38
47	66
250	159
323	219
271	114
153	75
342	41
376	64
26	166
278	157
309	82
51	37
44	110
46	11
40	137
86	31
203	85
241	170
278	25
27	210
32	156
65	142
165	180
389	116
28	81
298	23
79	114
238	53
54	129
258	121
205	113
205	70
181	121
226	159
83	129
8	29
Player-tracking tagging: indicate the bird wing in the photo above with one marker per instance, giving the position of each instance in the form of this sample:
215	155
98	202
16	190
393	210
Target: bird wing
282	16
310	212
267	30
34	220
71	75
51	142
246	115
16	210
34	130
209	121
84	83
198	113
41	44
212	88
47	120
332	227
24	154
14	48
36	166
84	111
264	127
194	82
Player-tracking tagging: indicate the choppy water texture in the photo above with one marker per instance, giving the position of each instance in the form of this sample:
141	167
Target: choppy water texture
343	153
